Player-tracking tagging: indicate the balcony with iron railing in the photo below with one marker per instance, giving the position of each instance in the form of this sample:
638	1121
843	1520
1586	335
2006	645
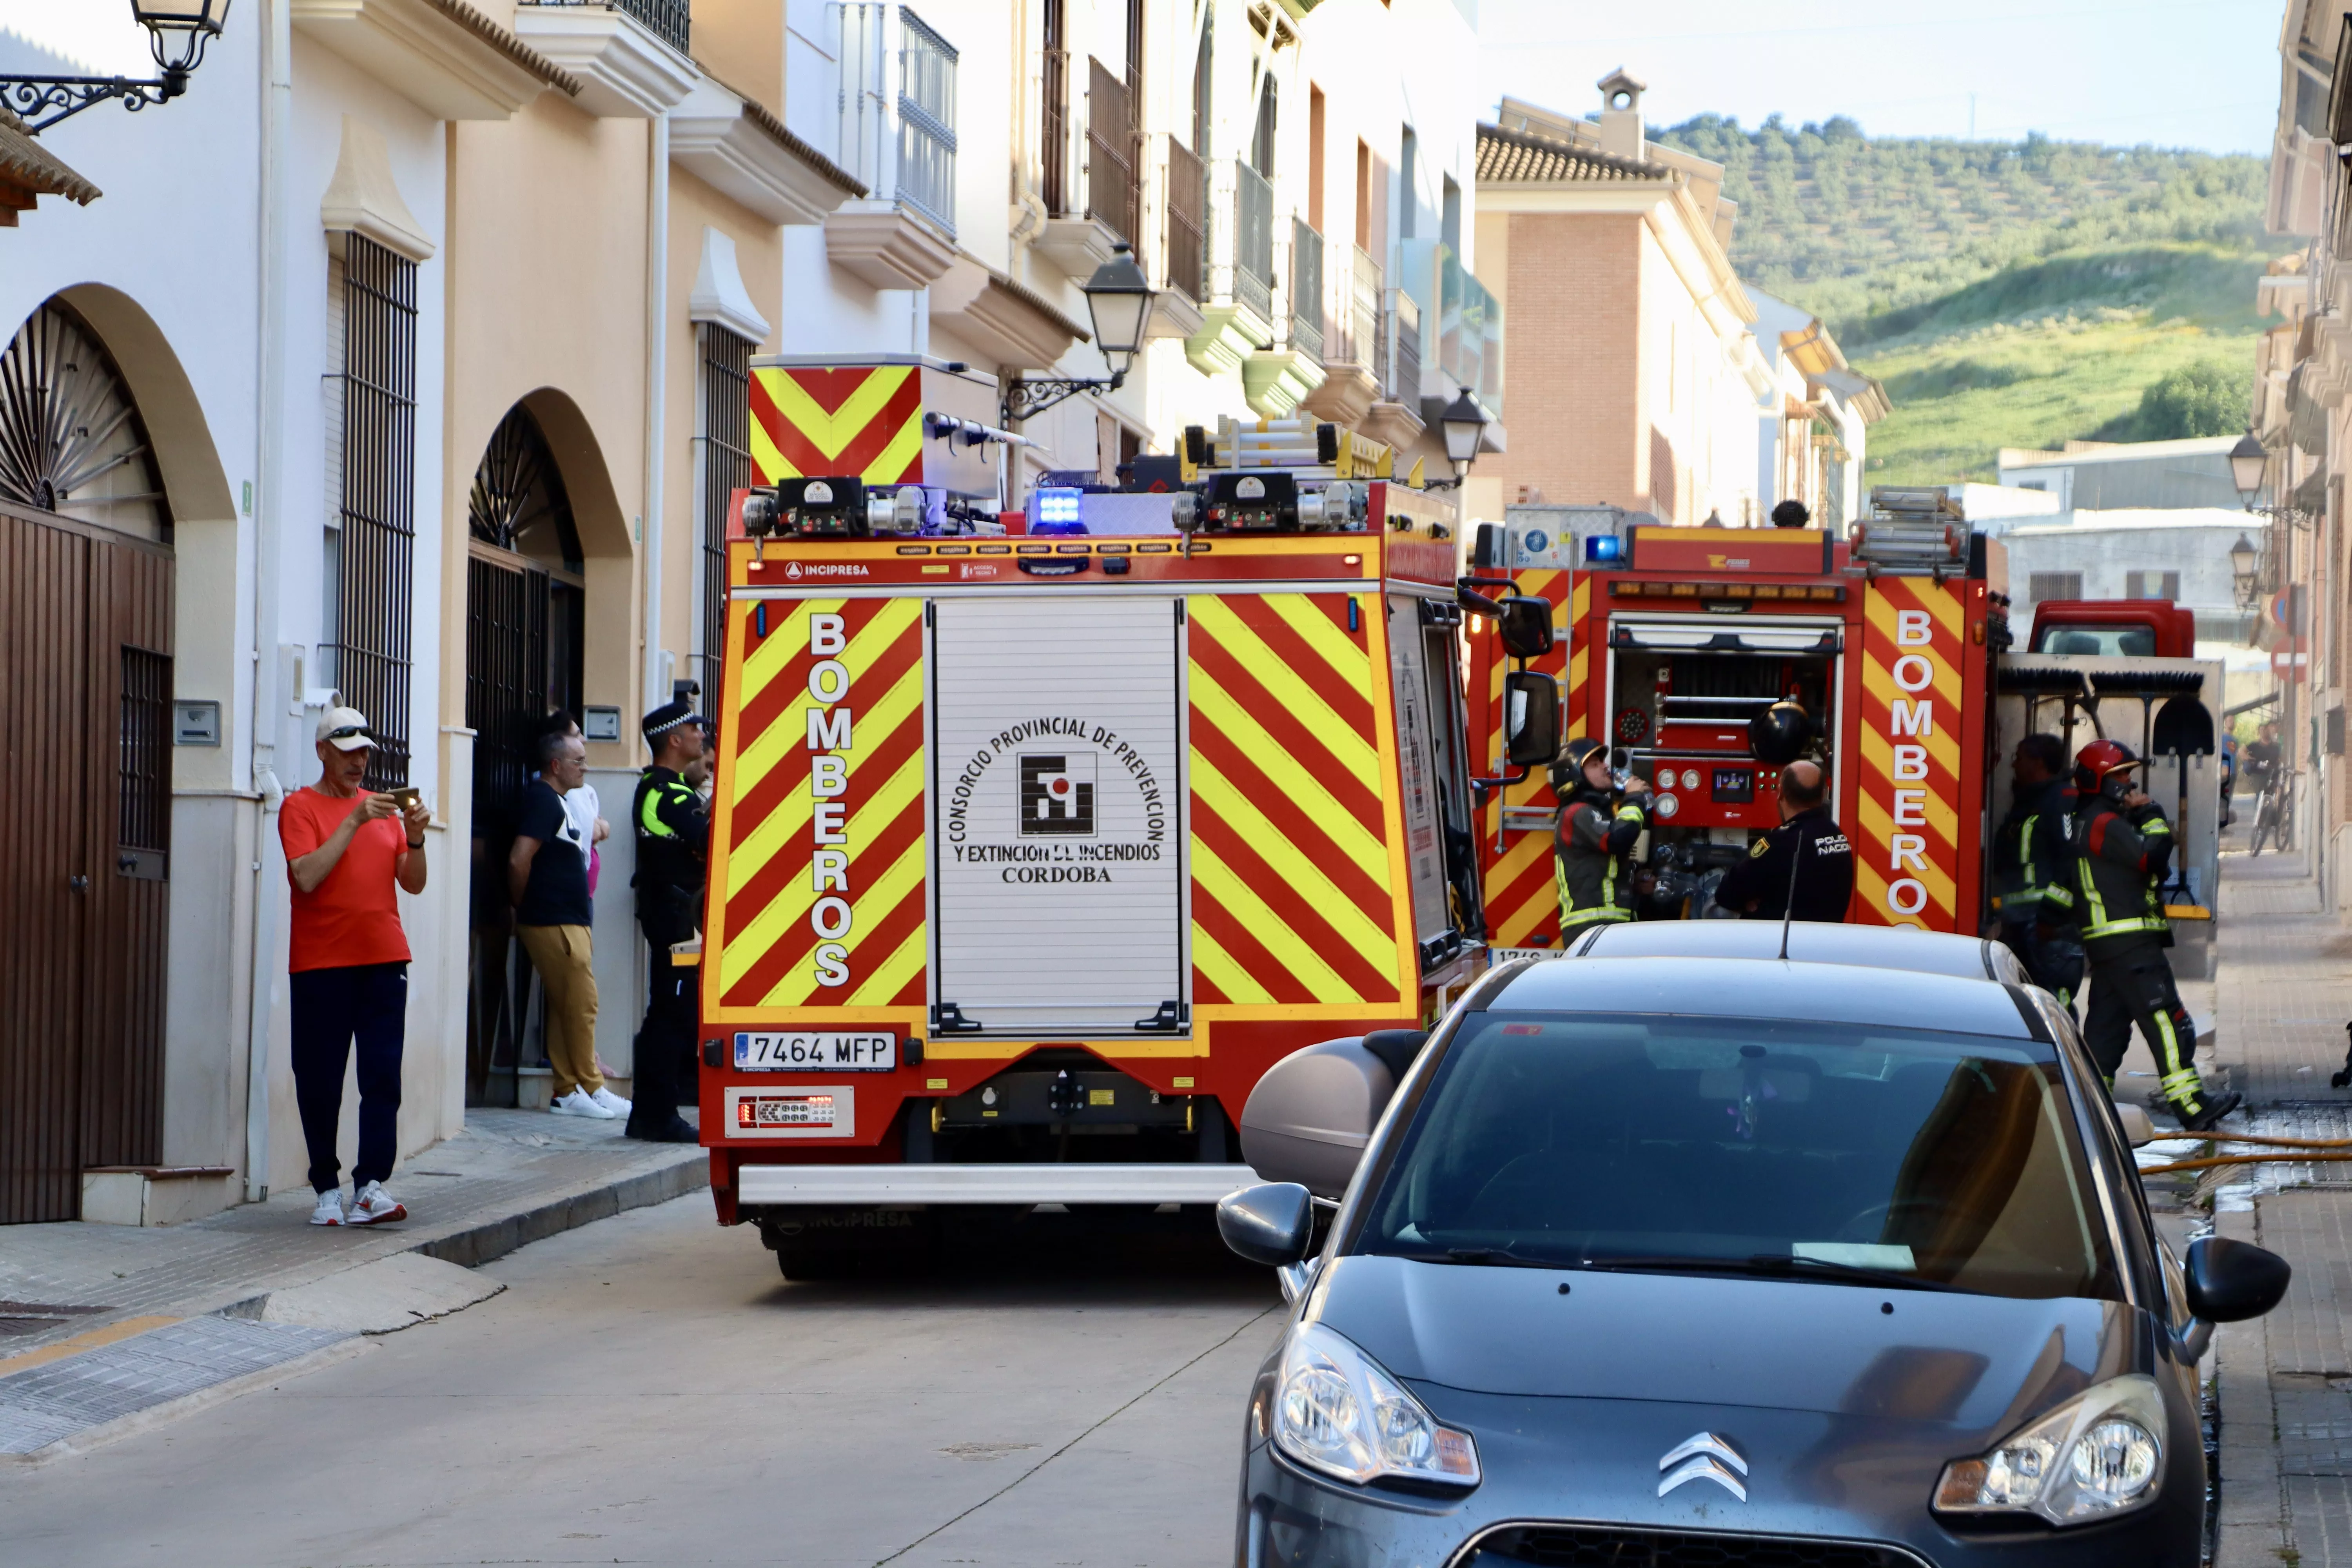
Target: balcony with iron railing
1185	251
1302	317
1249	277
1352	344
1464	321
627	59
1092	183
898	106
667	20
1236	238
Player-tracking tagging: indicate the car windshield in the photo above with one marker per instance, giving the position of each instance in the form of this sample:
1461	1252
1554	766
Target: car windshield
1807	1149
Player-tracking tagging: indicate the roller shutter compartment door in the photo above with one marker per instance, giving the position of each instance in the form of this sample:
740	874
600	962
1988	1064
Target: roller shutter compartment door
1057	841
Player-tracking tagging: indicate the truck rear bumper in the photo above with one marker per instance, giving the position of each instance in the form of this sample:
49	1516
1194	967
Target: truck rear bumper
891	1186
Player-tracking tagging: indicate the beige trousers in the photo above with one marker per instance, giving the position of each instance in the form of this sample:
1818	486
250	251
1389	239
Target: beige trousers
560	954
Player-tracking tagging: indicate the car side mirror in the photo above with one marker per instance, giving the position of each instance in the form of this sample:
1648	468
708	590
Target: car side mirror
1312	1112
2229	1281
2138	1130
1525	626
1530	719
1273	1224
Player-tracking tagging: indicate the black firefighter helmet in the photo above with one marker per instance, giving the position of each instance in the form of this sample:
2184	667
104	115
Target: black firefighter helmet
1780	735
1568	768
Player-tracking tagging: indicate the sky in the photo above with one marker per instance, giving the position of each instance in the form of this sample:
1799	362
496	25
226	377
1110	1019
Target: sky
97	35
2174	73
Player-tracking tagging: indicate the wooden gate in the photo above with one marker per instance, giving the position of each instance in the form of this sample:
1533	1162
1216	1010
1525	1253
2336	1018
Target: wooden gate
85	854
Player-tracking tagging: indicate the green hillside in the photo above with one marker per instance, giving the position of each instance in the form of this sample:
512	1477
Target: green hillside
2014	294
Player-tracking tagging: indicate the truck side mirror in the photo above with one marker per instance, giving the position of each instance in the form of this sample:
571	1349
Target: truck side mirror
1311	1114
1524	625
1530	719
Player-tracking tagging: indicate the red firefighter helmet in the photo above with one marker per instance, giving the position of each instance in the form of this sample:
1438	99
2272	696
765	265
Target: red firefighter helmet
2100	760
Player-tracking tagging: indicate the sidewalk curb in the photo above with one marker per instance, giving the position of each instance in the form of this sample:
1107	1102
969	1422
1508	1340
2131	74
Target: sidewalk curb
2251	1531
469	1247
493	1239
171	1410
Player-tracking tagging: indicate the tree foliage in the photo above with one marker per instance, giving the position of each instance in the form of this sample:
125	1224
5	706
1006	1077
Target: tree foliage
2208	398
1858	230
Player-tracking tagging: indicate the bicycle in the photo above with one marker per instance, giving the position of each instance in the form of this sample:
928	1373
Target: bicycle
2274	818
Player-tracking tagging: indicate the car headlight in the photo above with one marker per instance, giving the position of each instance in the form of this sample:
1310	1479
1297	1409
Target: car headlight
1337	1411
2098	1454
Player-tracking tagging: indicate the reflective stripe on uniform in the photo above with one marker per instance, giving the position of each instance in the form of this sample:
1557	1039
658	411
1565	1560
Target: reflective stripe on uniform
649	816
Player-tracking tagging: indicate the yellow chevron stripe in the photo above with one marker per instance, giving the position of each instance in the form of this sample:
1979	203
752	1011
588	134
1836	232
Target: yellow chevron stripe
894	460
788	730
1215	965
1285	944
1351	750
1319	632
786	638
768	464
1944	744
790	817
872	904
1881	614
890	976
1341	827
790	904
832	433
1295	863
1877	827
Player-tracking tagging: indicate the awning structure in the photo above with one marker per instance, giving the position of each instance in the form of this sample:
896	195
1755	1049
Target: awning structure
28	171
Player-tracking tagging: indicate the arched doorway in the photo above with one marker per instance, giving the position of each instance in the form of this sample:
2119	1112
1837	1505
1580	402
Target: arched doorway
525	620
86	638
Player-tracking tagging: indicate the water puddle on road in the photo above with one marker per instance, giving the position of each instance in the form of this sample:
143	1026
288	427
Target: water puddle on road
2233	1188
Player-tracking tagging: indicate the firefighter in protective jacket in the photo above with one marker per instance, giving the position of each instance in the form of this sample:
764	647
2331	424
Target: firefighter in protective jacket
1593	844
2122	846
2033	868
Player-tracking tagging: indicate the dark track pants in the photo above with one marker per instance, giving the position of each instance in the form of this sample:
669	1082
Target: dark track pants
664	1062
363	1004
2135	987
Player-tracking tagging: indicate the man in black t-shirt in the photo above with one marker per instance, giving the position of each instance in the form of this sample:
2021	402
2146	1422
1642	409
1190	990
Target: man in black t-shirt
547	876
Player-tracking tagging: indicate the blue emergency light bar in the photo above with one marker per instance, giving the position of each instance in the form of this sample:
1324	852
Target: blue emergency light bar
1604	549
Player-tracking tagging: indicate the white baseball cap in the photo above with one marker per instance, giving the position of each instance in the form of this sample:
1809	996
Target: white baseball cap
345	728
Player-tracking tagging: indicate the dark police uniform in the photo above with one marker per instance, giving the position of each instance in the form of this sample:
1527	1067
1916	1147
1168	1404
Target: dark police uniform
1592	865
672	836
2033	871
2120	861
1824	875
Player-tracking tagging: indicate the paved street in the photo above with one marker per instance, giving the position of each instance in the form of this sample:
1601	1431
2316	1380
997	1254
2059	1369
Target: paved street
647	1389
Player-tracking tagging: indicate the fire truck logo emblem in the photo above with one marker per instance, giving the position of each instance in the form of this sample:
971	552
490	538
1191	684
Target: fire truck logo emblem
1057	794
791	568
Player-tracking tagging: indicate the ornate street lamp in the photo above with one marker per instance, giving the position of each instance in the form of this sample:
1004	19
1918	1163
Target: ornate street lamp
2247	461
1463	425
1118	302
177	32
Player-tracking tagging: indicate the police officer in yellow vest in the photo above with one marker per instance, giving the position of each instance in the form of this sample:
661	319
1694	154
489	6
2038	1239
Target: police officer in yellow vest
673	834
2122	845
1593	844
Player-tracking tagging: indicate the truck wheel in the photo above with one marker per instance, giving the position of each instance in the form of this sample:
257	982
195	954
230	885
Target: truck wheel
804	1258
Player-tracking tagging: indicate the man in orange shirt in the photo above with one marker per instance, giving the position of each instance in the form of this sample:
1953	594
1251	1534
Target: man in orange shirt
346	849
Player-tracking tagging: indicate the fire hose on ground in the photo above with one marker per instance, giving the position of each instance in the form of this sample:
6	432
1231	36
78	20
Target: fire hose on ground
2211	1161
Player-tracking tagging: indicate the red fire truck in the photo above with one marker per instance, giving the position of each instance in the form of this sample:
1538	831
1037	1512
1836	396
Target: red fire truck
1035	840
1671	639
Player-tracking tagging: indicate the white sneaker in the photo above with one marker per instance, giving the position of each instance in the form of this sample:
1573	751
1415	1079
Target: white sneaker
372	1205
330	1207
578	1103
612	1103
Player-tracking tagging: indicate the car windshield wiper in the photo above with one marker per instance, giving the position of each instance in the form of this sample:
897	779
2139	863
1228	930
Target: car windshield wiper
1770	1263
1503	1256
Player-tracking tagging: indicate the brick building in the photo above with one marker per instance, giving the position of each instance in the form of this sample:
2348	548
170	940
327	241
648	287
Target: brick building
1634	375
